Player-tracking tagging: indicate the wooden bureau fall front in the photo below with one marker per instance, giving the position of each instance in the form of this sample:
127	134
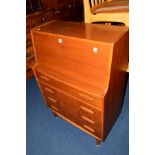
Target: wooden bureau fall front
81	71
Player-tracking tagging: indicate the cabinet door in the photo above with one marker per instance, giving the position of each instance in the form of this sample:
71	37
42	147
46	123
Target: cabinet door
51	48
83	60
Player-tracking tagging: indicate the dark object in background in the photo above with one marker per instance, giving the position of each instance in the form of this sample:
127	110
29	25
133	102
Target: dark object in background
33	5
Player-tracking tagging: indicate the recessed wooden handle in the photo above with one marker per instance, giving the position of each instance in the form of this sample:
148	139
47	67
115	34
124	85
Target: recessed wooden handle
54	108
44	77
86	109
53	100
89	128
85	96
87	119
49	90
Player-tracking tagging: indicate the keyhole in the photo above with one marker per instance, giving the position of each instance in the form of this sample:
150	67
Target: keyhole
95	49
60	41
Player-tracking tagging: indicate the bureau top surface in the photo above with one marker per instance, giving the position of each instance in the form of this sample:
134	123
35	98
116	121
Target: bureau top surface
94	32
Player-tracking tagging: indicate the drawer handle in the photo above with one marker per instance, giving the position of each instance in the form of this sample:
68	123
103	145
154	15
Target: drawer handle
53	100
49	90
86	109
43	20
87	119
87	127
45	78
85	96
28	55
38	29
53	107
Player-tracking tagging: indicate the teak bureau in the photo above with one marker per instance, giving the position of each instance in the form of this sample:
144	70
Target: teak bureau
81	71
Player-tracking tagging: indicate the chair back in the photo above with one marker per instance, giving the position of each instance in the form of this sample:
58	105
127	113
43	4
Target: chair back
95	2
88	4
90	16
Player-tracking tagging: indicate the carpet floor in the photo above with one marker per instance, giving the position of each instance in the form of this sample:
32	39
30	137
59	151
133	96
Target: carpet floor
49	136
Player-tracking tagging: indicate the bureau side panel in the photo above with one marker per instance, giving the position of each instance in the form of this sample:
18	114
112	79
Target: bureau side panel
115	94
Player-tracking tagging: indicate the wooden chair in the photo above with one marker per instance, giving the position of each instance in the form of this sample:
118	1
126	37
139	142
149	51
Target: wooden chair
106	11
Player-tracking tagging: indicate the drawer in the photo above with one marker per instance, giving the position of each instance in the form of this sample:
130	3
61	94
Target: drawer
48	91
82	52
49	94
90	119
52	104
70	107
87	117
88	98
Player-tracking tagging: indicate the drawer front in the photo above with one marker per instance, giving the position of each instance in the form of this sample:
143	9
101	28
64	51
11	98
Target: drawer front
83	52
85	116
49	94
48	91
80	113
90	99
53	104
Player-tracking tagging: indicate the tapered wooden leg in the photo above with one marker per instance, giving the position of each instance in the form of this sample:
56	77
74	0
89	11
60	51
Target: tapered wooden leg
98	142
55	115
